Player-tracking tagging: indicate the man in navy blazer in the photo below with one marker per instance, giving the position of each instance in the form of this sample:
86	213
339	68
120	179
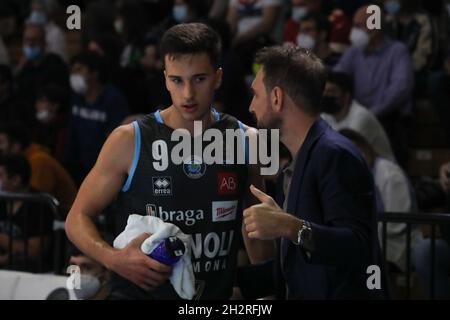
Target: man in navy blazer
326	225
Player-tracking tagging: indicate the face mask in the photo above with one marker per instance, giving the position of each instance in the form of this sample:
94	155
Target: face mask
180	13
89	286
330	105
38	17
306	41
392	7
118	25
298	13
43	116
32	53
78	84
359	38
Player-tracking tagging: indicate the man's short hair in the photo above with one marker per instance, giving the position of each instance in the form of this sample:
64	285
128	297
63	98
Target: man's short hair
94	62
16	165
342	80
297	71
192	38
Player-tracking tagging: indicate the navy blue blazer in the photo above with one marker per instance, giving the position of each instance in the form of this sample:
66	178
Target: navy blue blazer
333	189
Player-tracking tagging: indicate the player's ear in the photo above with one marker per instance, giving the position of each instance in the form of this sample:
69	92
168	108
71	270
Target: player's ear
277	98
219	74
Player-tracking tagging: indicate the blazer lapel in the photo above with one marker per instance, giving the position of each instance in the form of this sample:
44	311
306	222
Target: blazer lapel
314	133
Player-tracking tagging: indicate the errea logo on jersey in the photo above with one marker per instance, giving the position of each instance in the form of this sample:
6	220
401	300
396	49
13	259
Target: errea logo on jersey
224	210
162	186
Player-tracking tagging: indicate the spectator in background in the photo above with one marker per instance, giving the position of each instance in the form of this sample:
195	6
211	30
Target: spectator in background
30	222
439	93
39	67
52	107
299	10
396	195
97	108
42	13
341	111
252	24
47	174
95	274
407	22
314	35
433	199
155	83
383	79
233	96
183	11
11	108
132	26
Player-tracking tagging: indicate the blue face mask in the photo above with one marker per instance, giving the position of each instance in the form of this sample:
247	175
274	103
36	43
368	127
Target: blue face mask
38	17
392	7
32	53
180	13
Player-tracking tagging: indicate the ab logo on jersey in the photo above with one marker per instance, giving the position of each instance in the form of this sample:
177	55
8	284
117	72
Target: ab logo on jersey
227	183
224	210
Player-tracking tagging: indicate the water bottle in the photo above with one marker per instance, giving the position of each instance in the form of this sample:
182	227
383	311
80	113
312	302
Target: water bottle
168	251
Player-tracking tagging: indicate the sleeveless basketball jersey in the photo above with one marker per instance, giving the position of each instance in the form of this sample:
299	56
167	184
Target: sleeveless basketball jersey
204	201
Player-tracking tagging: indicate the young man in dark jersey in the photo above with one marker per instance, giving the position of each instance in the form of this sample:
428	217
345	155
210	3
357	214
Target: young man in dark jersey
205	201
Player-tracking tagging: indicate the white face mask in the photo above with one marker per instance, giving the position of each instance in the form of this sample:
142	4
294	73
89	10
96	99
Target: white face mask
306	41
298	13
359	38
43	116
78	84
89	286
118	25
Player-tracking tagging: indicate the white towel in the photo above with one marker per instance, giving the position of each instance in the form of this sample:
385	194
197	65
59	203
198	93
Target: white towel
182	278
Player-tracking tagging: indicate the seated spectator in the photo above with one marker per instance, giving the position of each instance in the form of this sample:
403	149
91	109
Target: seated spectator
432	199
314	35
383	79
439	93
341	111
97	108
396	195
39	67
95	273
52	106
233	96
43	13
407	22
47	174
252	24
299	10
29	222
11	108
182	11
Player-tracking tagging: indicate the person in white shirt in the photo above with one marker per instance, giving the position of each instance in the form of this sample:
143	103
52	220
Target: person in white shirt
396	196
341	111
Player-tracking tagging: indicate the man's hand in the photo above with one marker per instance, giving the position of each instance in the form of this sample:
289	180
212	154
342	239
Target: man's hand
444	174
267	221
132	264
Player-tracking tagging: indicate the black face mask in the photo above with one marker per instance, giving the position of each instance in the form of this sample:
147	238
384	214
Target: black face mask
330	105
